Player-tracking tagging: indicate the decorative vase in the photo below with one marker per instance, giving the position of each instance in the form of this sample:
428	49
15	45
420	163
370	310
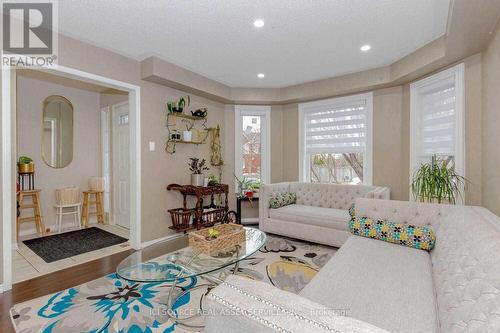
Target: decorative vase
197	179
187	136
25	168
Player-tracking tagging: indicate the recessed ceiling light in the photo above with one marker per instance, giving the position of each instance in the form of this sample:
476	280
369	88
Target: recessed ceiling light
365	48
258	23
261	75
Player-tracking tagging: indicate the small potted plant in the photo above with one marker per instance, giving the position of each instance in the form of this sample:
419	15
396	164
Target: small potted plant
213	180
25	165
197	167
178	106
187	135
255	186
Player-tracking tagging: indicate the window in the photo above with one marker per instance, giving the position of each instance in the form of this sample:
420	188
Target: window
437	119
336	140
252	142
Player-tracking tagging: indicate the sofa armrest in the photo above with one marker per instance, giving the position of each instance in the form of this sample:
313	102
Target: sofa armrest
380	192
266	192
243	305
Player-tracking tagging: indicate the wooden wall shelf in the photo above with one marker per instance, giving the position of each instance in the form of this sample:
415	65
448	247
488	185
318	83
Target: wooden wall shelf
186	118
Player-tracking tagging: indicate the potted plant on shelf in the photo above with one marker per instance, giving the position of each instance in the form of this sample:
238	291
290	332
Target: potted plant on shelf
437	181
25	165
178	106
197	167
255	186
213	180
187	135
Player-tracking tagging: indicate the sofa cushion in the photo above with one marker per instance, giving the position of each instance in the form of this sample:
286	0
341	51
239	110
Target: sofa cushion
422	238
387	285
323	217
330	195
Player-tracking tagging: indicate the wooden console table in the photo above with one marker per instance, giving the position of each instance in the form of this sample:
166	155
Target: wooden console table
204	216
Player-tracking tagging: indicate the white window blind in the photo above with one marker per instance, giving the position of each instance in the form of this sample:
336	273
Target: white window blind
438	120
336	127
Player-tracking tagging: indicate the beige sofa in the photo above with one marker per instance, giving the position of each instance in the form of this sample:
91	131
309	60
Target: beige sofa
383	286
321	213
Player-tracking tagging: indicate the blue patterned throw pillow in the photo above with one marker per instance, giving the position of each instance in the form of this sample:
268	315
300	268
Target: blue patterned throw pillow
282	199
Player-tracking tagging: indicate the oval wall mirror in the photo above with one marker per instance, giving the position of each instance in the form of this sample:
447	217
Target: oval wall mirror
57	132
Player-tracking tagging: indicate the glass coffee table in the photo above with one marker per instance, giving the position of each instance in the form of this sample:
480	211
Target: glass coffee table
174	261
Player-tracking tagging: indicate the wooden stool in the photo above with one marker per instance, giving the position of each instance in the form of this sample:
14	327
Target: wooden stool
98	202
35	205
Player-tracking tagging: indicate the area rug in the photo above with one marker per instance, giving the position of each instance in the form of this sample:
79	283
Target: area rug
72	243
110	304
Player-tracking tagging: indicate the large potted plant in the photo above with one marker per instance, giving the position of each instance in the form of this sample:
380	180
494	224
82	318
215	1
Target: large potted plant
25	165
437	182
197	167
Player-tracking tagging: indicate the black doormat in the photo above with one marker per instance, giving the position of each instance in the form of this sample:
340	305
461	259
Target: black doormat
68	244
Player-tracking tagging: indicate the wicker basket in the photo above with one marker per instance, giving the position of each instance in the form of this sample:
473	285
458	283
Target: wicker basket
67	195
96	184
230	235
181	218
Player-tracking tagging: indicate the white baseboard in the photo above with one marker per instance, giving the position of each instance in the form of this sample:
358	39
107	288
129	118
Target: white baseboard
161	239
32	230
250	220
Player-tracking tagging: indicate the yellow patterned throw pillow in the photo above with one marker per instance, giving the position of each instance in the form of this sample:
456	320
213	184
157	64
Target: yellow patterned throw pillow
422	238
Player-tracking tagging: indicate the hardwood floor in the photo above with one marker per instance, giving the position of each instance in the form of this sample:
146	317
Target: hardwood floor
54	282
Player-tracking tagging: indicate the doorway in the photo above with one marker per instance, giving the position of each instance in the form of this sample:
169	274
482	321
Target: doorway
115	156
8	156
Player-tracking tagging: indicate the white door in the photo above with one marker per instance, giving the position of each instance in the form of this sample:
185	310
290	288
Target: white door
120	165
106	159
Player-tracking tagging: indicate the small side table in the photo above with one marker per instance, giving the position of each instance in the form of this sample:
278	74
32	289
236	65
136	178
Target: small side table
239	199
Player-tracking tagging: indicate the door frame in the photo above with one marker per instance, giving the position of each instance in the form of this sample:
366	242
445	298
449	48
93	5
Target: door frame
8	174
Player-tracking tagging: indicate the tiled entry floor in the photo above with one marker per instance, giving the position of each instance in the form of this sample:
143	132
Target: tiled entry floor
26	264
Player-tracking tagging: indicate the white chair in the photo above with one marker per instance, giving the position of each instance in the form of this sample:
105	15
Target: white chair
68	203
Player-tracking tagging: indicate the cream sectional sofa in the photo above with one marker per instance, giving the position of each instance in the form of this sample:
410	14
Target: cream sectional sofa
382	286
321	213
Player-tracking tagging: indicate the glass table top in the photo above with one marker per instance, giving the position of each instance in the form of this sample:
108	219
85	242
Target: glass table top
174	259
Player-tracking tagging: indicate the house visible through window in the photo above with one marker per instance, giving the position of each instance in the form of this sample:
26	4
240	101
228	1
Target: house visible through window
437	120
252	126
335	140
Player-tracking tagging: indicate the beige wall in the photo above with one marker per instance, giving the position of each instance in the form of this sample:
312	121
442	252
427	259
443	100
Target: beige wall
290	121
111	99
491	125
86	144
387	123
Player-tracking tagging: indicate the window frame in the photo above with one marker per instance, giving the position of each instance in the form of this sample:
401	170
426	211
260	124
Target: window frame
304	159
263	111
455	73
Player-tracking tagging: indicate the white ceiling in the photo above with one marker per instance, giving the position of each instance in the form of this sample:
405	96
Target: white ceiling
302	40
